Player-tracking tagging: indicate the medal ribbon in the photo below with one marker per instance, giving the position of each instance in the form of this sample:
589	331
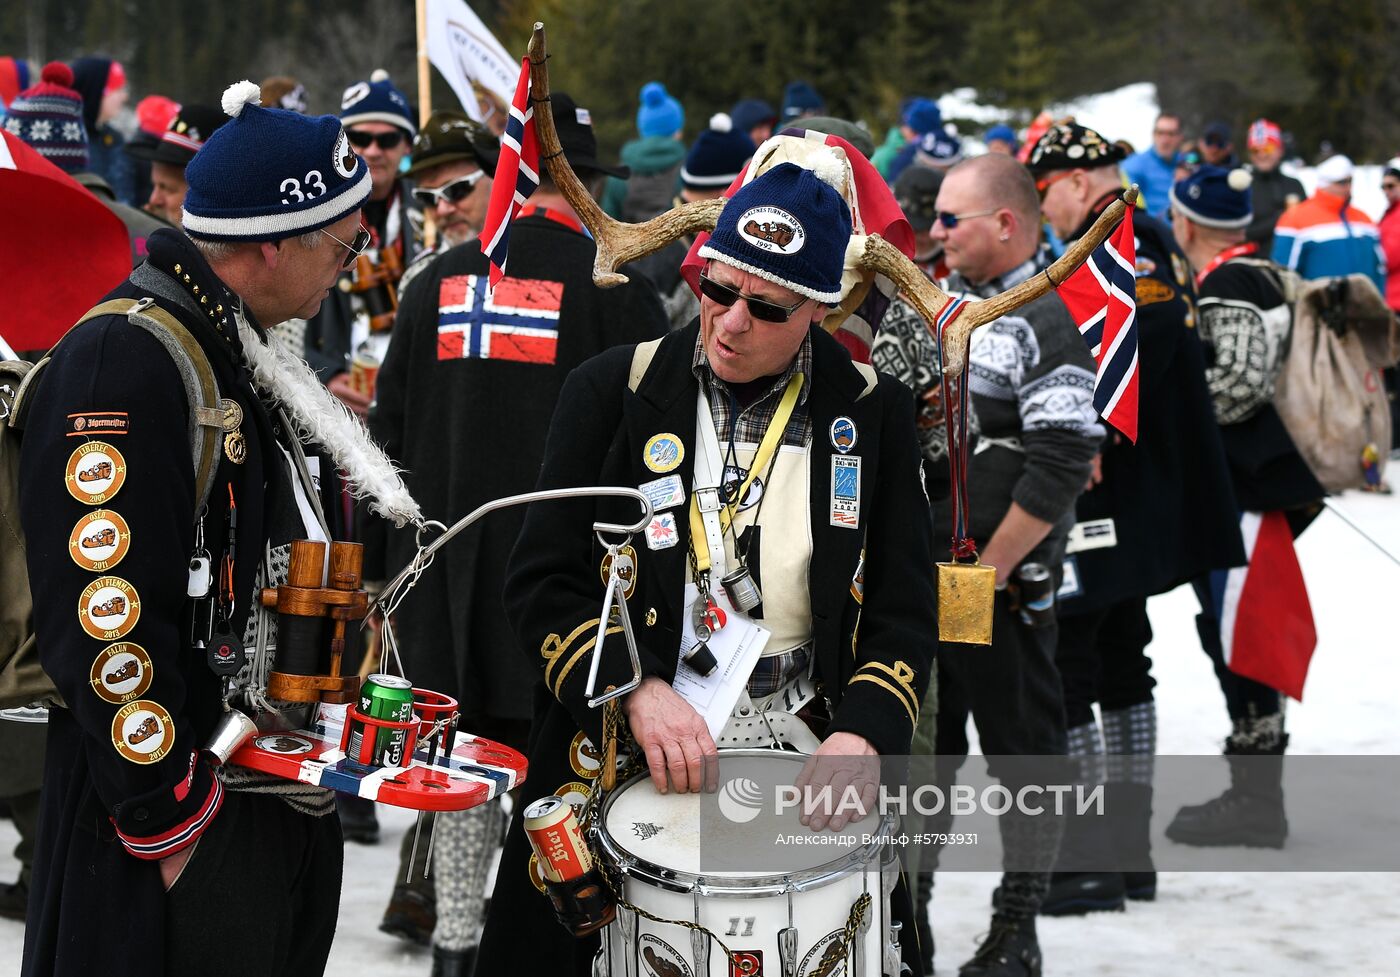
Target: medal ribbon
1238	251
955	409
772	437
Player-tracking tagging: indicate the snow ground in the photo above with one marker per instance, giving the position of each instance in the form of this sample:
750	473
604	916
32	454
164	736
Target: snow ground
1275	924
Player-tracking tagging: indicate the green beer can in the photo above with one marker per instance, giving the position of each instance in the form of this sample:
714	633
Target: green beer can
383	697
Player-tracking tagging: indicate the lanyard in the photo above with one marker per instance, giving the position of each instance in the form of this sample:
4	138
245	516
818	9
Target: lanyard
707	525
535	210
1238	251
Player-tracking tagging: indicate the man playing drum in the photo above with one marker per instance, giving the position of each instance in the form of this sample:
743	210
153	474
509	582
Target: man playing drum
778	470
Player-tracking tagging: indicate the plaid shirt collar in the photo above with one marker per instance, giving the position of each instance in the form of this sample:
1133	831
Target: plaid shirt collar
752	421
801	363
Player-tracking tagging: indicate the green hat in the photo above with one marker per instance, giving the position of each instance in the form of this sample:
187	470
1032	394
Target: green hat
448	136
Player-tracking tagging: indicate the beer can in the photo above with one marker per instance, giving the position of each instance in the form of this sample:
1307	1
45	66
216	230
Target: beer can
383	697
557	839
364	370
1037	594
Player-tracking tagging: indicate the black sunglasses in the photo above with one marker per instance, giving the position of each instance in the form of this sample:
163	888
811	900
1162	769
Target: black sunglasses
386	140
758	308
355	247
454	192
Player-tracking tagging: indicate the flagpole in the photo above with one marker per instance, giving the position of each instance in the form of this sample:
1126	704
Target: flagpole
1361	532
425	105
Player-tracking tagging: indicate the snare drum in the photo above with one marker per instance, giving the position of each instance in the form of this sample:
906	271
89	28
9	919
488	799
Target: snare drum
788	922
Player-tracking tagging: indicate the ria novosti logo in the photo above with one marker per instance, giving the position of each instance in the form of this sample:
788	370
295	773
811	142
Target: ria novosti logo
740	800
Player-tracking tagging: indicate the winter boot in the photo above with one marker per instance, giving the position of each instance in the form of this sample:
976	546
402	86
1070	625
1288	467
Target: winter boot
1086	877
1009	950
923	894
453	963
1250	812
1131	827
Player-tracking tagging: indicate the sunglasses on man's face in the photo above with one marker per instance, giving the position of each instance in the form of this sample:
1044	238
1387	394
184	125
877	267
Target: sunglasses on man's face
386	140
950	221
453	192
763	309
355	247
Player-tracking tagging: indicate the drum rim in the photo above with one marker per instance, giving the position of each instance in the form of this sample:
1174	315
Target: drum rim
758	886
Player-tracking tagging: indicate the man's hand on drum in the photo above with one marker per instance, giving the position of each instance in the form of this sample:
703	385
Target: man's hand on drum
849	765
678	746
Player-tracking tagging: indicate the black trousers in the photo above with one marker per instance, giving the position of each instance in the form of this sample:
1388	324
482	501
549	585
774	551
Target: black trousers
260	894
1244	697
1102	657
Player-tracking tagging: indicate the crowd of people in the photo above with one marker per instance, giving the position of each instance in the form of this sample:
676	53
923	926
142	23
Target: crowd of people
350	242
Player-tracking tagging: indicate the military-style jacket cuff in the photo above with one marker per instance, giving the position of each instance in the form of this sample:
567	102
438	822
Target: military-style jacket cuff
166	821
881	705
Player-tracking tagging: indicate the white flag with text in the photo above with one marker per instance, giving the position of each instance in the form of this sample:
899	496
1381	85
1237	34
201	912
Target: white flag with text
466	52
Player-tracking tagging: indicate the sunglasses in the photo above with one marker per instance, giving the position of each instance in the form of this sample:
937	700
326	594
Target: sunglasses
453	193
386	140
950	221
355	247
758	308
1043	185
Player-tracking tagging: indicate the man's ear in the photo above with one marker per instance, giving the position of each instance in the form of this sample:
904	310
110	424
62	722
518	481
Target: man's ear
271	253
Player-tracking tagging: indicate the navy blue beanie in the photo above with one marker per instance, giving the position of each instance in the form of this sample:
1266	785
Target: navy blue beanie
923	115
788	226
718	156
1215	197
269	174
750	113
800	98
376	100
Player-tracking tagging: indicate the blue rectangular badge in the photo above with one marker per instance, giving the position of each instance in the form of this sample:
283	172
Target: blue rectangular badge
845	491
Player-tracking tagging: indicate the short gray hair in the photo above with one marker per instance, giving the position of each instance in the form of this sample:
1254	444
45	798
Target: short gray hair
222	250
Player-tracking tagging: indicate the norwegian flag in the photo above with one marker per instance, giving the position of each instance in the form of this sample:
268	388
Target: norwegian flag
517	175
1101	296
518	320
1266	622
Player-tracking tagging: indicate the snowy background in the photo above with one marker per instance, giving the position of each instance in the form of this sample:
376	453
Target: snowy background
1256	924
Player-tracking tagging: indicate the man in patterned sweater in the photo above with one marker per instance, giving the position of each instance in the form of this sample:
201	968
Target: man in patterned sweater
1245	326
1032	383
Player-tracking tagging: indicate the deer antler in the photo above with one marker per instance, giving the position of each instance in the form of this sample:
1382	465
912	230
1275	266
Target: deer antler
928	299
618	243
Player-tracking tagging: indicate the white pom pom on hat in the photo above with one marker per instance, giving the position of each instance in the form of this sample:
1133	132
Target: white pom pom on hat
721	122
239	94
828	167
1239	180
378	74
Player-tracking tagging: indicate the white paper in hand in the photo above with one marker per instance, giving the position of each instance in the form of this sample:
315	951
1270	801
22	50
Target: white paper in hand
736	647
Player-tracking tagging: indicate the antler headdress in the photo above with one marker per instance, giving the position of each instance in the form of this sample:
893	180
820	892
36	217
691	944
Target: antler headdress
619	243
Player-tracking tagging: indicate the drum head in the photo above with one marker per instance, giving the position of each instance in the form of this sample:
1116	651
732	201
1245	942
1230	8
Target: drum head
666	830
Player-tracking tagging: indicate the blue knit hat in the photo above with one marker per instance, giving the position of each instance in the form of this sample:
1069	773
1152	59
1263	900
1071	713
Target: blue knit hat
49	117
749	113
376	100
1002	133
788	226
1215	197
923	115
718	156
800	98
939	149
660	114
269	174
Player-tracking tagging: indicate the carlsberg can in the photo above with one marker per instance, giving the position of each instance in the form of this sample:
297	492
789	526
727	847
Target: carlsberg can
383	697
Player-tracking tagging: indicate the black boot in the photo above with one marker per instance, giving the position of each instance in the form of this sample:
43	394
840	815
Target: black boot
1131	826
1250	812
1010	950
453	963
14	900
923	894
1086	877
411	915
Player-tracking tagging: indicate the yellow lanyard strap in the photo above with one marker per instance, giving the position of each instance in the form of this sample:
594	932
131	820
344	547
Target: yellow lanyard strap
772	437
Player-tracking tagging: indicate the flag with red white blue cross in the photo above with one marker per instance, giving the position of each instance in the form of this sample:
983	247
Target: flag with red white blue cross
517	175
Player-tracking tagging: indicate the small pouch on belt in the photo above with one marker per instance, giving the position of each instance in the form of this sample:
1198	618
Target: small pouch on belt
966	594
